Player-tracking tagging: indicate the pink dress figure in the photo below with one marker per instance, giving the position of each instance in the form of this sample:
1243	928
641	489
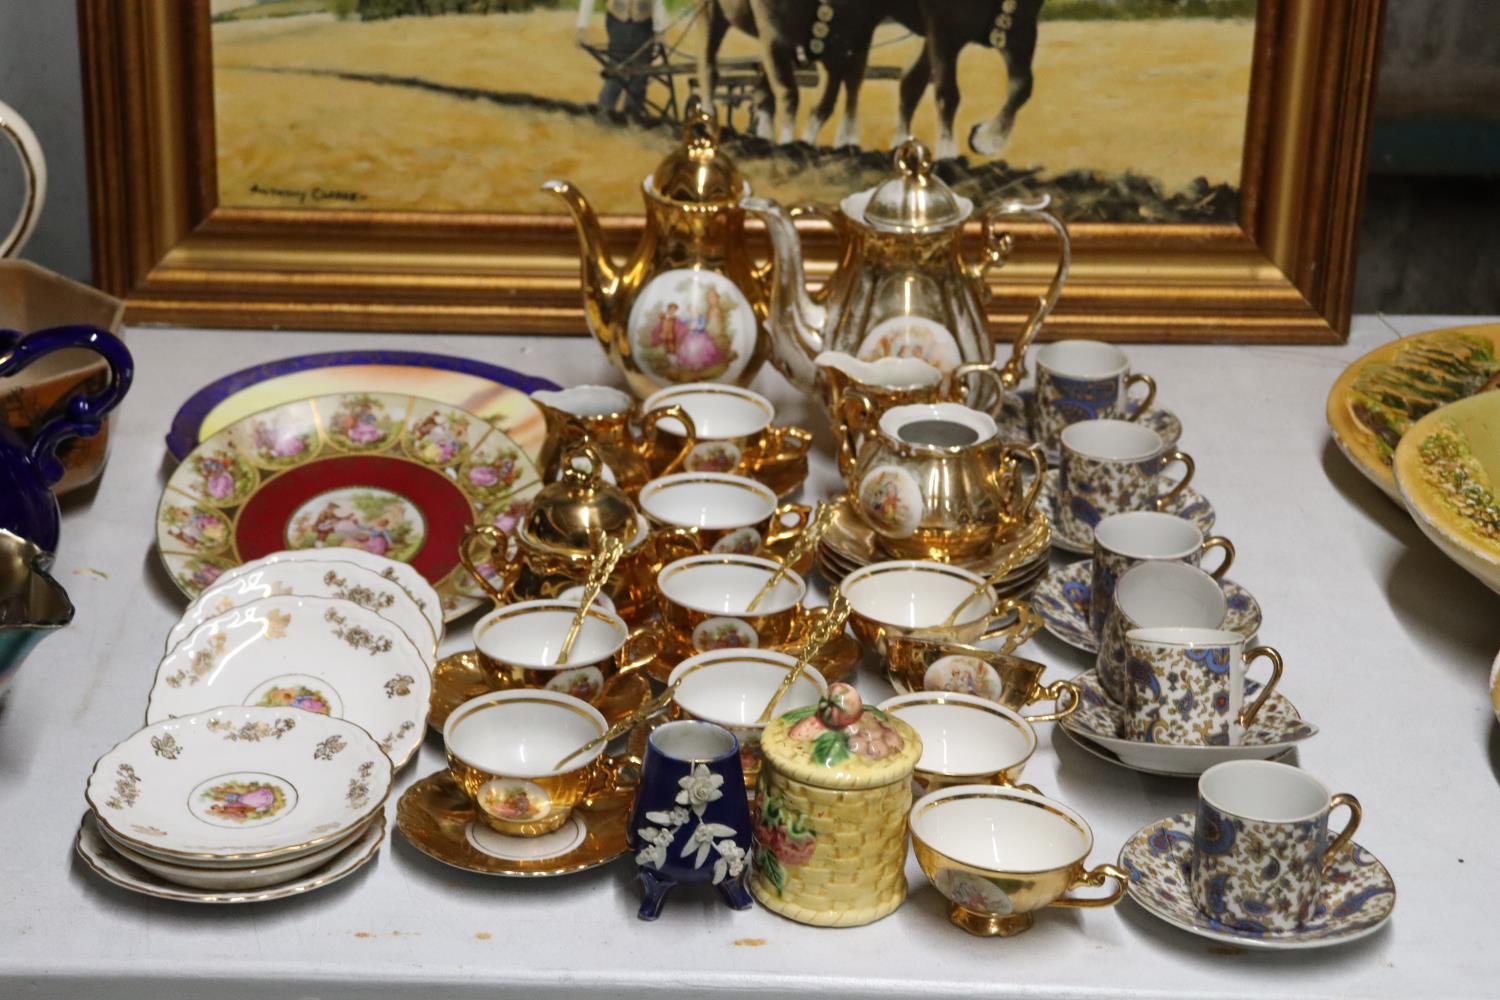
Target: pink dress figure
219	482
699	351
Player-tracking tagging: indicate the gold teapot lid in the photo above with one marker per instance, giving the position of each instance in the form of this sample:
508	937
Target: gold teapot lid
698	171
914	200
579	510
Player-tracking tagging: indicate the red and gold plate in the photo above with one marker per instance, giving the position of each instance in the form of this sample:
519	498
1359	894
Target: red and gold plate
396	475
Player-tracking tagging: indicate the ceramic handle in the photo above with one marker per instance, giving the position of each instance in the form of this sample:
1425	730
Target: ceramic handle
783	444
1247	715
33	175
1038	459
1015	368
1093	880
676	542
1175	455
1150	383
646	636
1054	692
1026	624
497	543
649	430
612	776
780	530
86	412
855	409
959	387
1342	840
1225	546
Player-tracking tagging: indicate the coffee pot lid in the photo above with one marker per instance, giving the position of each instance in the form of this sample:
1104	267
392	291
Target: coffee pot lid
698	171
914	199
578	511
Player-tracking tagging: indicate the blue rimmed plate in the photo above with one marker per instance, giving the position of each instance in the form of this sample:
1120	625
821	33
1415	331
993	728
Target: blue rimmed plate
497	394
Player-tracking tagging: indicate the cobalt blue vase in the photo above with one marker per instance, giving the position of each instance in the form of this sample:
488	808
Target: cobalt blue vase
29	471
691	821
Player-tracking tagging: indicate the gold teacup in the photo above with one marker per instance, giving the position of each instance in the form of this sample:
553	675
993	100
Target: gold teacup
704	600
965	740
519	643
501	749
720	512
922	663
733	427
915	598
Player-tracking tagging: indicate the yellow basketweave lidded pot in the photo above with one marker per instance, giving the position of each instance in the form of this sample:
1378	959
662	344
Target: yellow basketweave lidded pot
830	812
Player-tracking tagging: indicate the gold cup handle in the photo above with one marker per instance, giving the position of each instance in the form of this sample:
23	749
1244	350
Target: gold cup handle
1248	714
856	411
1093	880
1140	378
780	530
676	542
1176	455
649	434
997	246
1038	458
496	542
1019	786
1016	631
959	390
1225	546
1054	692
785	444
629	658
611	777
1342	840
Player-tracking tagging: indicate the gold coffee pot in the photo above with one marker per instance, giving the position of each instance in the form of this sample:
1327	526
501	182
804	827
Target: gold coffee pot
689	305
901	287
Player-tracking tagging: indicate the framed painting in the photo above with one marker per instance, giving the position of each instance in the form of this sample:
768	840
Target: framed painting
377	164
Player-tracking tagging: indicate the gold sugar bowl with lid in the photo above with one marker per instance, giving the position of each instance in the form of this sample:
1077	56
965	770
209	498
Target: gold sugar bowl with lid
829	813
561	535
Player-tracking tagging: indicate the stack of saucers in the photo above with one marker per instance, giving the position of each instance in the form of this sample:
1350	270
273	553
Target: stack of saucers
236	804
289	693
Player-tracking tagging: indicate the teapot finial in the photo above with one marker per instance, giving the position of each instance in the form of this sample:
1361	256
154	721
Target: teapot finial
913	158
698	171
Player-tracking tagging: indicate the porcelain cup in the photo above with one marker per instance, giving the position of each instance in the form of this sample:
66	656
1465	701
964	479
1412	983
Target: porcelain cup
916	663
502	750
731	687
1122	541
1111	466
724	513
908	597
734	430
603	416
1186	686
519	644
999	854
704	601
1082	380
1261	845
1155	595
966	740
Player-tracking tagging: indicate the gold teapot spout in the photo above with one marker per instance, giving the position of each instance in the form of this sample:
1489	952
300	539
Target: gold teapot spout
601	279
795	321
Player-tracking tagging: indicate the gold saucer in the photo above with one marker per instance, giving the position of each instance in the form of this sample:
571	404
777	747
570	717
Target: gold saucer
437	819
460	677
855	543
836	661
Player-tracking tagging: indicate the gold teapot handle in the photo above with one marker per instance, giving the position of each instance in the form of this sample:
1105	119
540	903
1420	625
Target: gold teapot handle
997	247
649	434
496	541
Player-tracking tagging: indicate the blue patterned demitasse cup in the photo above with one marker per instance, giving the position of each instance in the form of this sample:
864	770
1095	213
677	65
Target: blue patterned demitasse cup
691	821
1155	595
1260	845
1186	686
1082	380
1124	541
1111	466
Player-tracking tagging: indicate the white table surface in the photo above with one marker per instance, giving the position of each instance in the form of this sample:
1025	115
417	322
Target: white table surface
1387	645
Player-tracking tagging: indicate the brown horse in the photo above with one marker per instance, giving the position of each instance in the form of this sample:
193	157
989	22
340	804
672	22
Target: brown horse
841	43
1009	26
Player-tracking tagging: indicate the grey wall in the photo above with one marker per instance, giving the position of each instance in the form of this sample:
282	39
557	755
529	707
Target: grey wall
1429	244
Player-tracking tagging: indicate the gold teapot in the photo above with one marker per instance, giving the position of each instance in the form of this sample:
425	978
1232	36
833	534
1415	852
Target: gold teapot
689	305
901	286
936	482
561	535
604	417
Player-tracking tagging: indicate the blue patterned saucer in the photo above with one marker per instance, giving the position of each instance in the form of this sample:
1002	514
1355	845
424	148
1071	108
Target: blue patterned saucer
1189	505
1357	898
1097	723
1062	599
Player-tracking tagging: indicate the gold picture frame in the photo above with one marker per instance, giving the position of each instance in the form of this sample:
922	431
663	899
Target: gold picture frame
1283	273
